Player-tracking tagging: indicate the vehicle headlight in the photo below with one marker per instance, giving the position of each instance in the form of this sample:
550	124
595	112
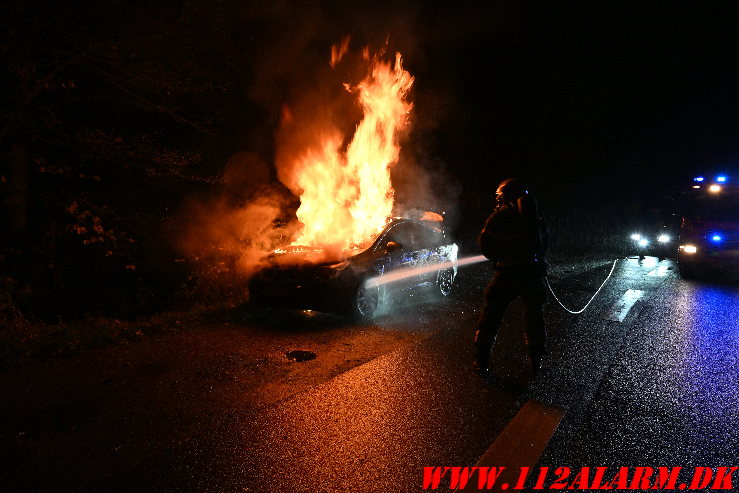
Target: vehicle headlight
663	238
691	249
636	237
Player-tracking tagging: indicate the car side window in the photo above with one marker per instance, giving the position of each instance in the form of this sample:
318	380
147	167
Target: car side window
403	234
426	238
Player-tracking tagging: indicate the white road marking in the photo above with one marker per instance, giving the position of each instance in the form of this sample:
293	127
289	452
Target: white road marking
618	311
660	271
521	443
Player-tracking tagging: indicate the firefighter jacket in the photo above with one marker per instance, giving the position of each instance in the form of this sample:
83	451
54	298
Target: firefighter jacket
515	235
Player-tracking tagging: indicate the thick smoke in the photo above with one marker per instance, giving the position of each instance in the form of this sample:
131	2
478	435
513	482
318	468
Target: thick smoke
238	228
423	183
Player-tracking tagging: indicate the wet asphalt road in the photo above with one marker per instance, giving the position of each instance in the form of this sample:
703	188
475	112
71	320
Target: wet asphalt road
653	383
670	396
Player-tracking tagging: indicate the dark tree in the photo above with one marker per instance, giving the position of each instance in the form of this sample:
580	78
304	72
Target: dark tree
111	115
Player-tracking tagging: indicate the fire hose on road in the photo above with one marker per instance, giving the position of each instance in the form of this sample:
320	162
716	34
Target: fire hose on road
576	312
413	271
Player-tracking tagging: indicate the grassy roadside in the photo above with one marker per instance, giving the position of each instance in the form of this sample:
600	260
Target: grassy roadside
26	340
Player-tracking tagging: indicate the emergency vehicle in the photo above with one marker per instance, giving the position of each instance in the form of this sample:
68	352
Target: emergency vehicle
709	228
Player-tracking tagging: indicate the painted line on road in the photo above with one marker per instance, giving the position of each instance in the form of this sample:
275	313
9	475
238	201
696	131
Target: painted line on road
618	311
521	442
660	271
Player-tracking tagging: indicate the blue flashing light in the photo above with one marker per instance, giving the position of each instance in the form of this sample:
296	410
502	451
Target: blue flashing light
721	179
716	238
698	178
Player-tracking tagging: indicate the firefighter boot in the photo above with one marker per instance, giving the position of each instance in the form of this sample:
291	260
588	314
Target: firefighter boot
534	343
535	355
480	367
482	357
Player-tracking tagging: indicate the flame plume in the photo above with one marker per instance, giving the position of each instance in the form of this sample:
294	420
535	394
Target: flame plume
346	197
338	51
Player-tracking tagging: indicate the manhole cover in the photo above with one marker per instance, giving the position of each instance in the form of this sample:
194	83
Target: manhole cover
300	355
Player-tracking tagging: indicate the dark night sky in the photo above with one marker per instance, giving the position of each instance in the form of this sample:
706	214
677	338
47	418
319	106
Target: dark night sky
607	100
590	98
614	92
598	93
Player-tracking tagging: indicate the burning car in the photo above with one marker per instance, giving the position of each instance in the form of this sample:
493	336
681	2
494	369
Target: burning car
348	256
406	255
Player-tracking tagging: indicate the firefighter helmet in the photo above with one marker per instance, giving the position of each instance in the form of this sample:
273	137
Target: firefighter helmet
510	190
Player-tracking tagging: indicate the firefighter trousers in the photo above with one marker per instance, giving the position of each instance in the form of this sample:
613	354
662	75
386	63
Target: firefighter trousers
505	286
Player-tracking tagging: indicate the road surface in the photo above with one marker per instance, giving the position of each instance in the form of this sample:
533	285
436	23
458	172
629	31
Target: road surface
645	376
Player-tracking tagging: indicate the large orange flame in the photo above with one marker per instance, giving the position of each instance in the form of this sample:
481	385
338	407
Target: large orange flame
346	196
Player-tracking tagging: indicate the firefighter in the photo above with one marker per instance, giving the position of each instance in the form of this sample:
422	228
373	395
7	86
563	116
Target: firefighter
515	238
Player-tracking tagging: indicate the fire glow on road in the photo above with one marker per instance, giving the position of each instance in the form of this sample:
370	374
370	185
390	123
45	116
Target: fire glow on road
407	272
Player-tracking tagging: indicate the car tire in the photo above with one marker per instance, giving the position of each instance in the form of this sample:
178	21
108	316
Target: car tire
445	281
367	299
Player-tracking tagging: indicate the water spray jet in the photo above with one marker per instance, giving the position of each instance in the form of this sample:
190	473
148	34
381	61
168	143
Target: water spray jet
407	272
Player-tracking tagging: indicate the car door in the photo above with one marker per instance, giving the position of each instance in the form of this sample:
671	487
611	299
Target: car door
427	252
399	245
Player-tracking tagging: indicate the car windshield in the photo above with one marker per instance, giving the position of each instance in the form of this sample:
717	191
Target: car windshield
411	236
721	206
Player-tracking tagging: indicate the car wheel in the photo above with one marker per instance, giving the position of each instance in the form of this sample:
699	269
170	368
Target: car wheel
367	299
445	281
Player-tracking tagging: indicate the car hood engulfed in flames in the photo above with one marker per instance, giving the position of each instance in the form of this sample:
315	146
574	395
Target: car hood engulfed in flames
347	239
302	255
302	277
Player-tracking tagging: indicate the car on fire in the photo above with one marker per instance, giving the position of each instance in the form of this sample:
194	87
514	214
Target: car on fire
406	255
709	230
